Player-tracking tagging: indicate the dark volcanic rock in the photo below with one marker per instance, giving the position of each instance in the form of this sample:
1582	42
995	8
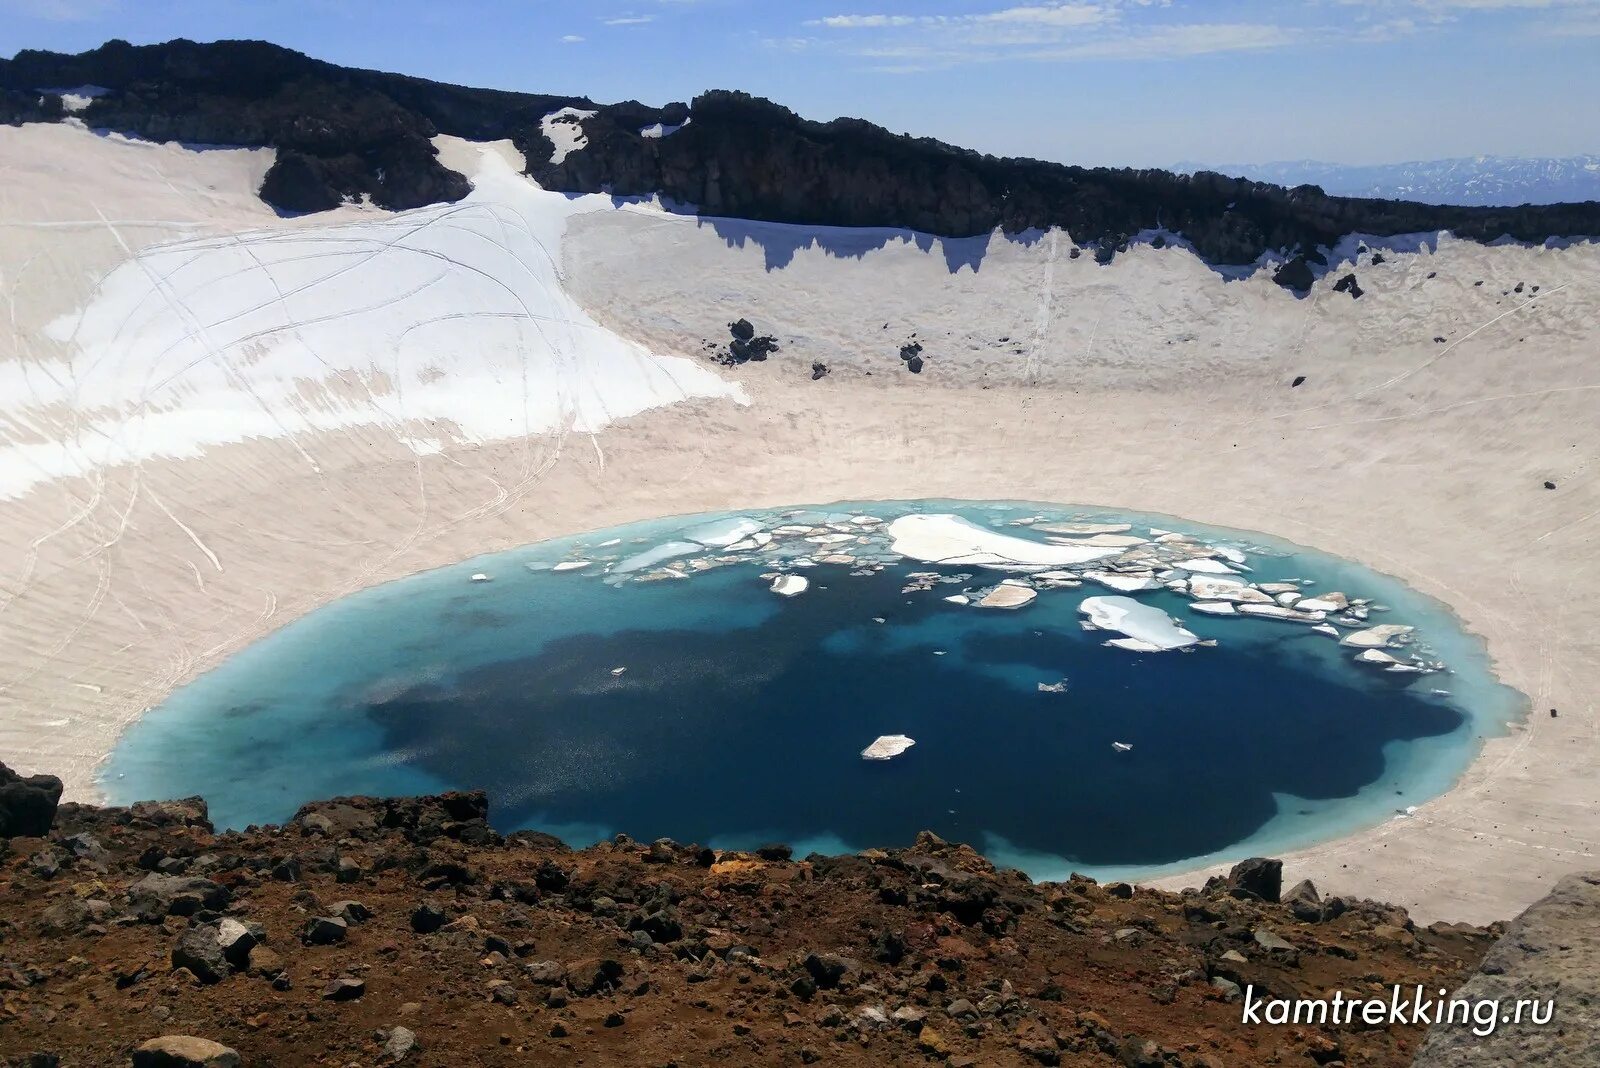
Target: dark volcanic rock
200	951
156	896
1348	284
27	805
343	133
324	931
1257	877
344	990
592	976
1296	275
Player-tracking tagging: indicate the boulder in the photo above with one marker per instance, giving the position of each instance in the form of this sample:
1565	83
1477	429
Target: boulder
1304	901
1257	877
829	969
157	896
199	950
398	1044
324	931
592	976
263	963
1549	956
237	940
350	911
184	1051
27	804
344	989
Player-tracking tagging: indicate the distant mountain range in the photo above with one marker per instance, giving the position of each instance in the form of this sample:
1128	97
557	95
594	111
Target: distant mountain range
1478	181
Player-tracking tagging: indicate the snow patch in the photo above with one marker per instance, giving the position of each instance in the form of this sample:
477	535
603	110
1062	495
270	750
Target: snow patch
451	316
657	130
564	128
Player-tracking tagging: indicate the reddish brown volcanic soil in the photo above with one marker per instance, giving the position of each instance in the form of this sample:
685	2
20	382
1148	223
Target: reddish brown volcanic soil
632	954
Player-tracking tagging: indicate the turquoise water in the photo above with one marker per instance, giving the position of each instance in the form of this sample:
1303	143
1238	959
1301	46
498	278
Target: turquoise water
737	715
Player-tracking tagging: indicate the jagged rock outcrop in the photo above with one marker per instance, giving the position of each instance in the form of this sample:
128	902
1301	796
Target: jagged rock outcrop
27	804
1551	953
343	133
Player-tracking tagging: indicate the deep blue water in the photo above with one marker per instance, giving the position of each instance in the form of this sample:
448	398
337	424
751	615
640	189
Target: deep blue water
739	716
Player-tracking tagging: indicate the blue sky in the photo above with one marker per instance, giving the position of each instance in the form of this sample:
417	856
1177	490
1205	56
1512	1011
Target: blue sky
1134	82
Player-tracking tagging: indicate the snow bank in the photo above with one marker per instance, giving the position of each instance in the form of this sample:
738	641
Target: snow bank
949	539
453	316
1148	628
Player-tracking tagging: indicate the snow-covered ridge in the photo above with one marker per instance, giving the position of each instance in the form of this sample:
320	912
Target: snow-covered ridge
448	324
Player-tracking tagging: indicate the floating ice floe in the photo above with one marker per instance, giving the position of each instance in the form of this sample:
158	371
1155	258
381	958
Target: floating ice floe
1215	608
1139	622
1084	528
949	539
1133	645
618	671
651	557
887	747
572	565
1122	747
1009	594
1376	637
790	585
480	577
721	533
1101	541
1205	565
1131	582
1278	611
1221	588
1053	687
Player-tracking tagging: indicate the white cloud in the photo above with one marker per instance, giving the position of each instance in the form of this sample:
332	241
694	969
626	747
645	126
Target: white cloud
572	38
628	20
1046	31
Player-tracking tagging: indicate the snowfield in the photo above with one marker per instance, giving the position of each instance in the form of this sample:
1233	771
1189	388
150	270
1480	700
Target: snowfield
447	324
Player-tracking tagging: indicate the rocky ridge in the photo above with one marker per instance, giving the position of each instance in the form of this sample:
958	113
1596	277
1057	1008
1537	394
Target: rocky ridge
342	133
382	931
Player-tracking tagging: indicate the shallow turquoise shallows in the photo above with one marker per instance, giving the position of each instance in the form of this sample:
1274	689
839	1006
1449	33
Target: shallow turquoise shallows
648	679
